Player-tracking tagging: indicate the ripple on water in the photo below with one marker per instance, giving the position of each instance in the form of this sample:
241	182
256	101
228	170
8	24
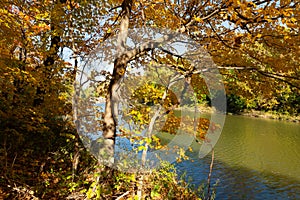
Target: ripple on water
254	159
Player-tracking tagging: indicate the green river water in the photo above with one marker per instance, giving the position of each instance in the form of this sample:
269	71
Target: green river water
254	159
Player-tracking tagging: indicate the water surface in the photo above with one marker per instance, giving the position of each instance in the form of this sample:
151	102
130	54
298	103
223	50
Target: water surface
254	159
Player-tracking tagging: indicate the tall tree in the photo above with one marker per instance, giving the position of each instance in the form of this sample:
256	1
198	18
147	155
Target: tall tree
247	39
254	43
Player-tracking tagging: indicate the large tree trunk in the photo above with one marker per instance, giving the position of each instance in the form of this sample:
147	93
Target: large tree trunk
111	107
111	113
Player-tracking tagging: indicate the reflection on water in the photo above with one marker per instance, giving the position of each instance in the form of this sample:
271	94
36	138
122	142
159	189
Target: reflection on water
254	159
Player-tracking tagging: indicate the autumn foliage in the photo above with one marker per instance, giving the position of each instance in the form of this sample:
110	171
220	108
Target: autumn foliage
256	45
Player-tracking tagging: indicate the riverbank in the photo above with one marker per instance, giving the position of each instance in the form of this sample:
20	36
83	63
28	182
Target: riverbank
254	113
269	115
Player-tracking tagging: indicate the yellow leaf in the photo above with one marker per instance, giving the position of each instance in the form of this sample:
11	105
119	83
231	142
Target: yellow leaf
293	19
198	19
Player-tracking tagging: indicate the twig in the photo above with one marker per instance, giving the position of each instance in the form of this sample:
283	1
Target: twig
13	163
123	195
97	181
210	172
119	6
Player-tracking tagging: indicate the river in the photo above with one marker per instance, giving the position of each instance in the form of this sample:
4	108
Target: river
254	159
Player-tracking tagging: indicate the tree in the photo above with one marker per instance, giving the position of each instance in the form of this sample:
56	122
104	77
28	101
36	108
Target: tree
246	39
254	43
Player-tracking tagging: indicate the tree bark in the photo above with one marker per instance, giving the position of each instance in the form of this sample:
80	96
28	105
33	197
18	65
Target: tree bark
111	107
